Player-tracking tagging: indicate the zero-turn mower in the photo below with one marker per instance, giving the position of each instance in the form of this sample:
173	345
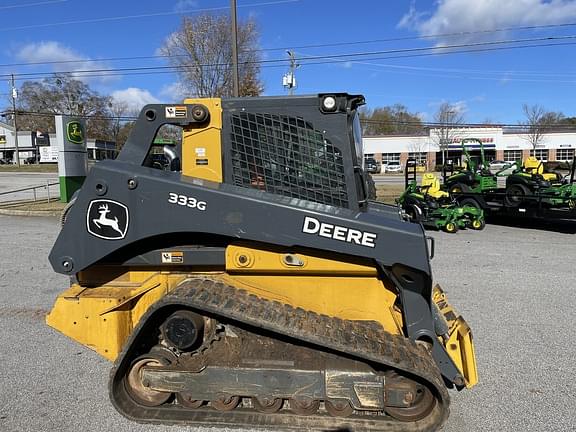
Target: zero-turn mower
475	177
434	208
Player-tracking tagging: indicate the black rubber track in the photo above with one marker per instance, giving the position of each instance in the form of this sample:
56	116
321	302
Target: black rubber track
364	341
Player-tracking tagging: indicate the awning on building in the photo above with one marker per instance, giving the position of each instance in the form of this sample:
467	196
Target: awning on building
474	146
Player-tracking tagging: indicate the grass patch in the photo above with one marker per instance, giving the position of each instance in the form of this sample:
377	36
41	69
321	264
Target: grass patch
36	168
388	193
40	205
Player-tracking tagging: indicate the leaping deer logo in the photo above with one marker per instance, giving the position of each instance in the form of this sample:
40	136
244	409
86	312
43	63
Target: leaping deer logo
103	219
107	219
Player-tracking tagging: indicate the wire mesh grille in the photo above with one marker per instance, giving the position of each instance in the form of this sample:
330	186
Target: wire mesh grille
285	155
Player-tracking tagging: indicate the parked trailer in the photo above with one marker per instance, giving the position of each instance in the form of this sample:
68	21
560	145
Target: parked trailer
532	206
495	203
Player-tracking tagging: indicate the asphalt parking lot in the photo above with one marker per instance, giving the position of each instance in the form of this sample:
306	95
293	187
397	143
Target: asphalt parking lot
515	287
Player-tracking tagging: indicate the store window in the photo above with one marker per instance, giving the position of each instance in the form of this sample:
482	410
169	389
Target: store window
2	139
512	155
540	154
419	157
390	157
564	154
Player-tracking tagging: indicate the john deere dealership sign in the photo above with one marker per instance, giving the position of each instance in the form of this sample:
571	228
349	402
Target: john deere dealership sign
72	158
75	132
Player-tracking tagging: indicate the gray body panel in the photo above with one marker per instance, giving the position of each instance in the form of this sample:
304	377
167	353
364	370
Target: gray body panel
231	211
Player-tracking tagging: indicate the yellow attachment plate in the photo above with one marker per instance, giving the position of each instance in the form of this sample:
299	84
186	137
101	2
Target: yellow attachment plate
459	345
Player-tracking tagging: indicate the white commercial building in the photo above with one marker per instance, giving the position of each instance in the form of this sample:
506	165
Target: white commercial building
43	146
499	144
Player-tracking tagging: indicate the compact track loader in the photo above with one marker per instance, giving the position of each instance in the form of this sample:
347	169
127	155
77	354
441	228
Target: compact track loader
254	284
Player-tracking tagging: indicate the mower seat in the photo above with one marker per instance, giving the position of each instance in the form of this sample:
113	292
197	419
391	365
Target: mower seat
431	186
534	166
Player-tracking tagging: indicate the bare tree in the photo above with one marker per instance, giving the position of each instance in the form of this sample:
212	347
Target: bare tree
121	121
417	147
537	122
447	118
532	125
61	94
387	120
201	50
118	112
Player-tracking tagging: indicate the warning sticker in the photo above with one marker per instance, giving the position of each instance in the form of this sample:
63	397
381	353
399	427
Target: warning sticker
172	257
176	112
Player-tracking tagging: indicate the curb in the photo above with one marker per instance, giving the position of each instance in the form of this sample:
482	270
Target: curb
48	213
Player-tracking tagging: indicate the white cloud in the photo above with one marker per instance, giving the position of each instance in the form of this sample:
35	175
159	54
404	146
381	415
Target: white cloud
460	107
173	92
453	16
134	98
185	5
52	51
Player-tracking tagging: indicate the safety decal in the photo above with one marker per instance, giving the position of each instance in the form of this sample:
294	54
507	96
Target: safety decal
176	112
107	219
172	257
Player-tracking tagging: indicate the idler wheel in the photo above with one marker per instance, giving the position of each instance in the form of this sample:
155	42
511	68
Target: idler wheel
225	403
339	408
135	387
187	401
305	406
422	406
267	404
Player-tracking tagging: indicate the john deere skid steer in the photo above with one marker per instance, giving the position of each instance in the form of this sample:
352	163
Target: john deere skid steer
253	284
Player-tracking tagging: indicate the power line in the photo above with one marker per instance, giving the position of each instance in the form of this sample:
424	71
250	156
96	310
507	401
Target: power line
429	124
173	69
414	123
405	52
326	45
429	36
16	6
148	15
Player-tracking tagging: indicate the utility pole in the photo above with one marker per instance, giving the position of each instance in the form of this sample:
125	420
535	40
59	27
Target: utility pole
235	78
14	96
289	79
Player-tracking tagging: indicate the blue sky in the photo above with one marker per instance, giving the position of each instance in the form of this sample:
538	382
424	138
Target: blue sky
483	85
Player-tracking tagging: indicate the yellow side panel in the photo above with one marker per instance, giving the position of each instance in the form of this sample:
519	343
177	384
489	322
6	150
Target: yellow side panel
202	147
102	318
352	298
244	259
326	286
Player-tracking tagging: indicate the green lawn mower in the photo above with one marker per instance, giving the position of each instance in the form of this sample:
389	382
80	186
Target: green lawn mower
433	208
475	177
530	181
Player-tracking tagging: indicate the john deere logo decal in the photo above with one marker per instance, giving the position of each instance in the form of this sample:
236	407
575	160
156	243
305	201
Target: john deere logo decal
75	132
107	219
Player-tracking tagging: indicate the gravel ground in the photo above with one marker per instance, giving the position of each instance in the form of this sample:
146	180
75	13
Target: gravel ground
513	285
